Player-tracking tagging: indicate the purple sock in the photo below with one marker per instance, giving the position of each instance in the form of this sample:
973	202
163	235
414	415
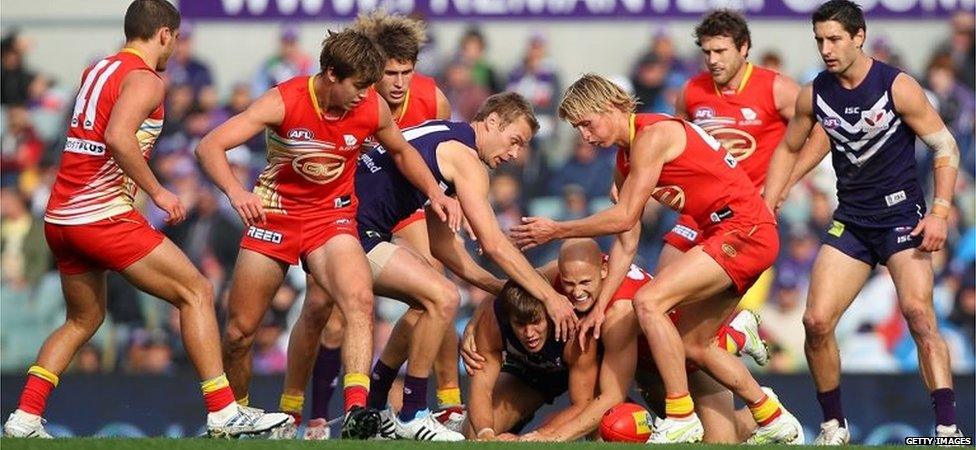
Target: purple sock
383	377
944	401
414	397
324	377
830	404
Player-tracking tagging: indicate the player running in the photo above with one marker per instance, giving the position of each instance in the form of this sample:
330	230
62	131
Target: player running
91	226
304	205
686	169
413	99
457	154
872	113
507	398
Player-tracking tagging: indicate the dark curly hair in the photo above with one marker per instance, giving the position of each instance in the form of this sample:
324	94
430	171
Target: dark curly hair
845	12
724	22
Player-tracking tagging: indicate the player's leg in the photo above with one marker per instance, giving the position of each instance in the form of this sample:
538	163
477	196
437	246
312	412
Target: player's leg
254	283
911	271
84	295
714	404
513	403
303	346
168	274
835	280
340	266
328	364
405	275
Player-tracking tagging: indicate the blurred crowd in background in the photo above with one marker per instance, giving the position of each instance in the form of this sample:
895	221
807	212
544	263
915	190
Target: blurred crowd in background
559	177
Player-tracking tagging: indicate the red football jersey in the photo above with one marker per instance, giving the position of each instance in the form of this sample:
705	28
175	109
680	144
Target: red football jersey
420	104
746	122
703	181
312	156
90	185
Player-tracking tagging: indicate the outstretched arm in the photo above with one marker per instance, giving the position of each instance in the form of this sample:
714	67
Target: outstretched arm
268	110
583	376
782	164
480	403
915	109
448	249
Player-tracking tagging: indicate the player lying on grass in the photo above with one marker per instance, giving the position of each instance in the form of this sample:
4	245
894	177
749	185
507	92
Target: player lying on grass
507	388
459	155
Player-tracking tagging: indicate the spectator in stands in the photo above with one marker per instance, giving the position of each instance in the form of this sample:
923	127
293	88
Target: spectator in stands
956	106
963	313
472	52
185	68
179	103
588	168
462	91
882	50
88	360
771	60
782	315
538	81
24	256
15	78
288	62
20	147
961	47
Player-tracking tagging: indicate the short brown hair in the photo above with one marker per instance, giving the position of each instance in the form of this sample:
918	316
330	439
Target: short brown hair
351	53
144	18
398	36
593	93
519	305
845	12
509	106
724	22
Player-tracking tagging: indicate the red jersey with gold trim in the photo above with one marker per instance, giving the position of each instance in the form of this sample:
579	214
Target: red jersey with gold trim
312	156
90	185
704	181
746	122
420	104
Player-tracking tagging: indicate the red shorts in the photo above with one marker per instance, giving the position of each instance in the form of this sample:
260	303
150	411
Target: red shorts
685	234
291	237
417	215
743	251
113	243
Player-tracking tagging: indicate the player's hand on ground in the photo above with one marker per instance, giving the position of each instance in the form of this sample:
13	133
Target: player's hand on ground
507	437
933	230
469	352
533	232
170	203
486	434
592	322
561	312
248	206
449	210
535	436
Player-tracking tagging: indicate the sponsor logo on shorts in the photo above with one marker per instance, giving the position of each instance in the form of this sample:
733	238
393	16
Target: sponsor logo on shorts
903	229
373	234
836	229
300	134
895	198
685	232
261	234
729	250
904	239
84	147
343	222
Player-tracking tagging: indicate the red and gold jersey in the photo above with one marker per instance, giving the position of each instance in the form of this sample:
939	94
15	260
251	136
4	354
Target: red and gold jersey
746	122
312	156
90	185
704	181
420	104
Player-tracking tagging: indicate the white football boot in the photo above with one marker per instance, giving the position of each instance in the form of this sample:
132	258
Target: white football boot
21	424
424	427
674	431
747	323
241	421
452	417
831	433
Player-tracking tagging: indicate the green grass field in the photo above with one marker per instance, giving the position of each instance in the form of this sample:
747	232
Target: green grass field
206	444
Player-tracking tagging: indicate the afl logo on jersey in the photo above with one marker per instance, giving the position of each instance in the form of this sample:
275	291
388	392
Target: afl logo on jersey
319	168
704	113
300	134
830	122
738	143
671	196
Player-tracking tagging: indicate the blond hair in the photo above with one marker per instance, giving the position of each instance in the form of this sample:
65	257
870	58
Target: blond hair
352	53
400	37
593	93
509	106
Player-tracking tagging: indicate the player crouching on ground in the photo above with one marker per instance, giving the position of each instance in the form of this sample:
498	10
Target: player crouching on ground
506	390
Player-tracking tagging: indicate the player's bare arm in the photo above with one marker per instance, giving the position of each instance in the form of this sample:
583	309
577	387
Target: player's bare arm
616	372
583	368
817	145
448	249
443	105
411	165
268	110
141	93
470	178
651	149
784	157
913	106
679	103
469	345
482	383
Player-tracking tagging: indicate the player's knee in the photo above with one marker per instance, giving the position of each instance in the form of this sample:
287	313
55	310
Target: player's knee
695	351
446	302
88	321
817	324
238	337
647	308
357	306
200	293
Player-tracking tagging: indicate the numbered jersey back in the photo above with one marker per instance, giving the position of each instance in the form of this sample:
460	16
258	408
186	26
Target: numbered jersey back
90	185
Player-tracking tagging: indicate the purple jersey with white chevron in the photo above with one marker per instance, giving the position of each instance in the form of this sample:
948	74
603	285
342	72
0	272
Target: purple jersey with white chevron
385	196
873	149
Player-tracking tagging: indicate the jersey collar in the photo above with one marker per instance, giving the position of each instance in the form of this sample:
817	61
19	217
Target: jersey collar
742	83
